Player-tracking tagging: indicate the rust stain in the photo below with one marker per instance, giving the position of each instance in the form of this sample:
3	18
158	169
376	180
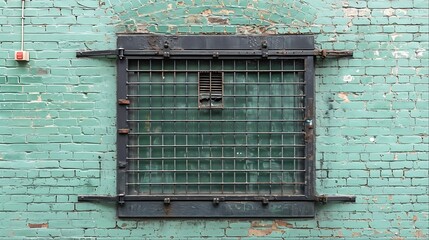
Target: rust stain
38	225
398	238
344	97
356	234
415	218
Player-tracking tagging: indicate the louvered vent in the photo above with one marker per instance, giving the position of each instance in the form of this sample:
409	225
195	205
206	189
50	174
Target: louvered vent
210	90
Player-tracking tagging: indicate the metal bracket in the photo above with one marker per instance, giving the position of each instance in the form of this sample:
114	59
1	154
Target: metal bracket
97	198
120	52
336	198
333	53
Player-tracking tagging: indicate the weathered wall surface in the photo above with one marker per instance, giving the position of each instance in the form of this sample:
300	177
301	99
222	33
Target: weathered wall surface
57	127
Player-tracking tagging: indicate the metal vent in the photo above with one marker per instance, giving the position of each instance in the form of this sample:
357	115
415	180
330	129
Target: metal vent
210	89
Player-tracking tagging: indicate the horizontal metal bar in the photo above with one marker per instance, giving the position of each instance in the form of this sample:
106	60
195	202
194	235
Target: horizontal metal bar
220	146
236	83
217	121
213	133
211	171
214	183
206	209
211	70
99	53
334	53
195	108
91	198
335	198
224	96
218	158
221	197
238	53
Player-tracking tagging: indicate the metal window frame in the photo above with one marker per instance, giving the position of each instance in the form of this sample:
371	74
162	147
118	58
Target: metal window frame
145	46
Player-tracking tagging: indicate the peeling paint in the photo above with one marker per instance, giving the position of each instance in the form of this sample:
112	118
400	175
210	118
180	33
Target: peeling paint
267	229
389	12
194	19
206	12
394	36
344	97
218	20
38	225
420	52
400	54
419	234
39	99
348	78
225	12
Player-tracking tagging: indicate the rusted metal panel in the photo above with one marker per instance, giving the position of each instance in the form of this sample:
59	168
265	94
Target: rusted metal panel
204	209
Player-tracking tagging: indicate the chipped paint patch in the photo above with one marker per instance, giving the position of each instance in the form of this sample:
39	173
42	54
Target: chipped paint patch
39	99
259	229
348	78
225	12
420	52
419	234
38	225
394	36
218	20
400	54
389	12
350	12
206	12
344	97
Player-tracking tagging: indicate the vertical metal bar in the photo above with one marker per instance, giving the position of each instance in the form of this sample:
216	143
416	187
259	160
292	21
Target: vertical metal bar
270	124
283	125
309	127
162	126
175	80
296	176
138	129
122	139
257	128
186	125
150	127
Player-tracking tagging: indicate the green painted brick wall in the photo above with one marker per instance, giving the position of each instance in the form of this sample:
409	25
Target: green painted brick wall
57	127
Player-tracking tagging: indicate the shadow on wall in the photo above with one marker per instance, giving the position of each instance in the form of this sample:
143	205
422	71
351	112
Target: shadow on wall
221	17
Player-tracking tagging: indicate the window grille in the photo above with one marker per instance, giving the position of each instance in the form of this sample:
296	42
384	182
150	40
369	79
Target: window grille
215	126
253	146
216	135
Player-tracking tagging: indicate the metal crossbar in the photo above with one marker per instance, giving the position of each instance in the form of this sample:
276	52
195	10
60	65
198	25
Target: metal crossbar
253	145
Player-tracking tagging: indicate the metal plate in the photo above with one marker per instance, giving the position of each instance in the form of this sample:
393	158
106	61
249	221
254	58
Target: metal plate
204	209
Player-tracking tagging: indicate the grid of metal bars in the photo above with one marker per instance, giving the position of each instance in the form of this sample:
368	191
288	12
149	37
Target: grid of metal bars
254	145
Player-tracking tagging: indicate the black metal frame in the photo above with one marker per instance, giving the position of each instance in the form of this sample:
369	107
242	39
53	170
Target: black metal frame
215	47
